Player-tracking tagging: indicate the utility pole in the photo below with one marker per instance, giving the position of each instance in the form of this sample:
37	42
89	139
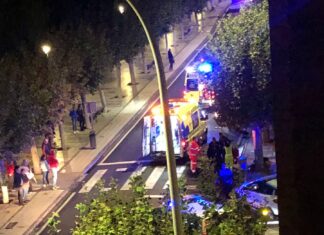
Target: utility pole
171	163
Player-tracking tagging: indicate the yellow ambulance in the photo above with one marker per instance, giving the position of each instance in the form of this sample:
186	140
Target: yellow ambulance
186	123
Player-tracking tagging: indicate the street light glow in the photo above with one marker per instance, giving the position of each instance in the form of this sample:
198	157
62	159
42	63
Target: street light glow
46	49
121	9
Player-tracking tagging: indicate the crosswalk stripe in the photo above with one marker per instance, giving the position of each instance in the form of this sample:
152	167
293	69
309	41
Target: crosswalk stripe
180	171
154	177
92	181
123	162
137	172
154	196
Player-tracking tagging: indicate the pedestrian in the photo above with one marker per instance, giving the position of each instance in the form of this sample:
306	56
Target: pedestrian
212	149
223	140
25	184
53	163
171	59
10	170
45	170
235	154
50	132
81	118
17	184
28	172
46	147
74	119
226	180
228	156
194	150
220	156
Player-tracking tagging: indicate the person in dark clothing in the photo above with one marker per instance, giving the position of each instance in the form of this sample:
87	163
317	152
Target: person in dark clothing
74	118
226	180
171	59
17	184
46	146
81	118
219	157
212	149
223	140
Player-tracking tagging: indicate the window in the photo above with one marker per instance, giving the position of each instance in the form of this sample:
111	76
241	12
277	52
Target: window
192	84
195	120
262	187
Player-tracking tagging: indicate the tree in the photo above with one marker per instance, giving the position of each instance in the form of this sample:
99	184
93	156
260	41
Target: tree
109	213
236	217
243	83
194	6
28	95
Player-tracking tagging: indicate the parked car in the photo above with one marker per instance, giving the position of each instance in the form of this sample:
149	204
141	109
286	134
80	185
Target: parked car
261	193
236	6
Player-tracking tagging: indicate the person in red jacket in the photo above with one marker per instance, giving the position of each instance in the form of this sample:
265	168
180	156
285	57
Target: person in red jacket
194	150
10	169
53	163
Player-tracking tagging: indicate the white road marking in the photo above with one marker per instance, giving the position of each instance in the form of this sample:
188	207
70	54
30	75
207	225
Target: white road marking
105	189
154	196
137	172
180	171
58	211
122	169
92	181
122	162
154	177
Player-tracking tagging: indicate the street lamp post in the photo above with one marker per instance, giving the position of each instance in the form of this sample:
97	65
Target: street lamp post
171	163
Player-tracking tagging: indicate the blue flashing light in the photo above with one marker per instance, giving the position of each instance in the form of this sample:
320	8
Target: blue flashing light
205	67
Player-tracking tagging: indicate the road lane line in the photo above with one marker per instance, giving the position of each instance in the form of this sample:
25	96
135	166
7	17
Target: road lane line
180	171
124	169
154	177
122	162
137	172
92	181
40	231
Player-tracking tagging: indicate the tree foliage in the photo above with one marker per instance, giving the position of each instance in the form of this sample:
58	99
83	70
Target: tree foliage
243	83
107	213
27	98
236	217
193	6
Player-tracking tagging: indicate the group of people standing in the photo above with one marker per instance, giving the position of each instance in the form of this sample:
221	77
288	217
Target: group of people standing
20	177
222	152
76	115
223	155
49	163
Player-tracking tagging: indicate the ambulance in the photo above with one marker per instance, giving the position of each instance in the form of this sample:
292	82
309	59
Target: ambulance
198	86
186	123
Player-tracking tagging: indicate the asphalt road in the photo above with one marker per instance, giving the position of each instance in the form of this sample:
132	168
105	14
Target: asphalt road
117	166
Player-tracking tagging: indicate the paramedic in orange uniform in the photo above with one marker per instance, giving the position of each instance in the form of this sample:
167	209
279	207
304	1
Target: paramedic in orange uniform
194	150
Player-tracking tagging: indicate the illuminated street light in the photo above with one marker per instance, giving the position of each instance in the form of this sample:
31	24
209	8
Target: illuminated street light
46	49
121	9
171	163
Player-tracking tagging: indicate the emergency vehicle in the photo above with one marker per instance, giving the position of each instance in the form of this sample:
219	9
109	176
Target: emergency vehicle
186	123
198	87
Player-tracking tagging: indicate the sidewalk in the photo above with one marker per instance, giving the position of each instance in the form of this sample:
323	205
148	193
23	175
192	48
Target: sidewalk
110	127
